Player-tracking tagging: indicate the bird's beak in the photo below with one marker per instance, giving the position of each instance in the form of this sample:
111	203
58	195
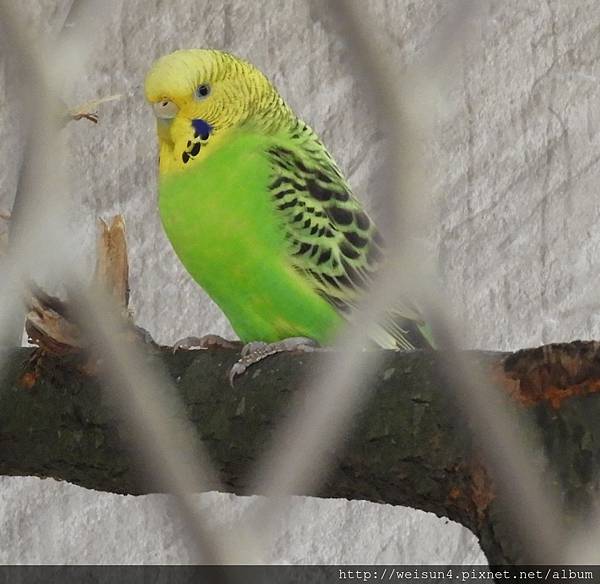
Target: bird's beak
163	127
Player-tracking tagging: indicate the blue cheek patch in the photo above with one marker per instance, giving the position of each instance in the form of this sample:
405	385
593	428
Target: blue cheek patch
202	129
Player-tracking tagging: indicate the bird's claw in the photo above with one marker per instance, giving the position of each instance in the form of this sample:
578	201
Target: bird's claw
204	342
253	347
256	351
239	368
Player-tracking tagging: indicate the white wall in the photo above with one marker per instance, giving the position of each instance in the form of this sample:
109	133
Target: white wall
517	163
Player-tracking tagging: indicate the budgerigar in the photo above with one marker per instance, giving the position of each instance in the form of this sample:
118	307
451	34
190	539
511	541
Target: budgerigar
256	208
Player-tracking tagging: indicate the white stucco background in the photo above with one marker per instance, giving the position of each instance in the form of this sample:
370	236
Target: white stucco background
517	162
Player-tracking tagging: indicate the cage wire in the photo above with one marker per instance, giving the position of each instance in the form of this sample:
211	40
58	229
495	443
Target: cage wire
341	386
41	238
300	454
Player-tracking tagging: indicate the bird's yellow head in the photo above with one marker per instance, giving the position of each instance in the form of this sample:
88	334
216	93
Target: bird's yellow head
199	95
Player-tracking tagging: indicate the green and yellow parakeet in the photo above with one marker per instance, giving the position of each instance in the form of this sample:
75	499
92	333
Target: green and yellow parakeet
256	208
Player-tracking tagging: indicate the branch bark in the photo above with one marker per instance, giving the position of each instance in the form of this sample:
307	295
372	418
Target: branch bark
410	446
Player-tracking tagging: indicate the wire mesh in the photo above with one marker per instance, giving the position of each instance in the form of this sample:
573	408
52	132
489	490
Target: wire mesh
39	237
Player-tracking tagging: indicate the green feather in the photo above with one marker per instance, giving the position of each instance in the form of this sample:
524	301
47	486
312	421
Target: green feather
267	225
257	210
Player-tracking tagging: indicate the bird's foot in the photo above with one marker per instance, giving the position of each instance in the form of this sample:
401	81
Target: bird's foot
256	351
205	342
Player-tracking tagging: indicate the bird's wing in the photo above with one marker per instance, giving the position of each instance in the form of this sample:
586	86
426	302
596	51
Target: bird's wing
331	239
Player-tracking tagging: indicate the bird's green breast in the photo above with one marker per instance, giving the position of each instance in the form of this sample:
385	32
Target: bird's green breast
220	220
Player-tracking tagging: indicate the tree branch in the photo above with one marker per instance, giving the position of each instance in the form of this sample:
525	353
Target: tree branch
409	447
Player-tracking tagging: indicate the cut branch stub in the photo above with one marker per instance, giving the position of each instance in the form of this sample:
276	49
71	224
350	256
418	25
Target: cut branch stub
542	375
112	265
48	322
48	325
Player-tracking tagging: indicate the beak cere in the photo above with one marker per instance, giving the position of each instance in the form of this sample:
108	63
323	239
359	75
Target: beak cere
165	109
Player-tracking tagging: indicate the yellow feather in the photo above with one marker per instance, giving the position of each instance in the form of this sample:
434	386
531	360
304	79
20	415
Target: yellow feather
239	95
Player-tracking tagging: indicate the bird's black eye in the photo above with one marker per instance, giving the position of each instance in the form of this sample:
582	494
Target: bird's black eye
202	91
